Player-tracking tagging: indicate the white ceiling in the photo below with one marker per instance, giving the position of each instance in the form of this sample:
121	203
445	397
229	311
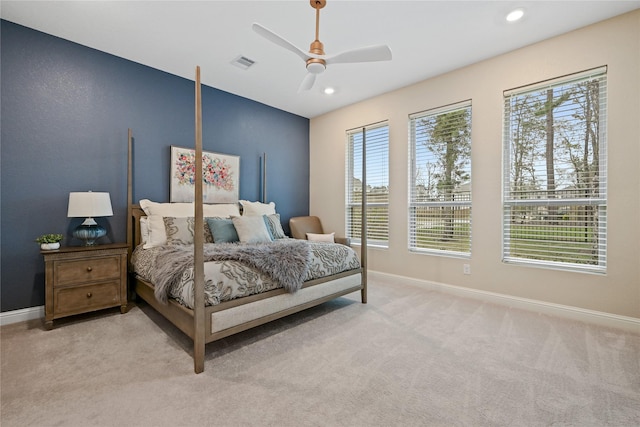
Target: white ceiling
427	38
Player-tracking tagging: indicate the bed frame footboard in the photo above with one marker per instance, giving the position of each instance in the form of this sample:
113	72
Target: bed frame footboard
238	315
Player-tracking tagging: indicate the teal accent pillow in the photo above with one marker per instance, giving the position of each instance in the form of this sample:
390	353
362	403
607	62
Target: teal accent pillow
223	230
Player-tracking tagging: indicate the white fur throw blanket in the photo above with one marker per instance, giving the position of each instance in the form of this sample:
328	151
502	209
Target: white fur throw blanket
285	260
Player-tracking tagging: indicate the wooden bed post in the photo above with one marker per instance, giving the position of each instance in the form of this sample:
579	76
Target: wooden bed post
129	199
363	222
131	293
264	177
198	243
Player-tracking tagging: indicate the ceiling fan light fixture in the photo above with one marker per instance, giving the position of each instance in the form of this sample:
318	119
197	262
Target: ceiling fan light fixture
515	15
315	67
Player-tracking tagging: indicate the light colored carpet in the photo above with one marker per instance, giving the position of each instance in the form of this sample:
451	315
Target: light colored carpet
410	357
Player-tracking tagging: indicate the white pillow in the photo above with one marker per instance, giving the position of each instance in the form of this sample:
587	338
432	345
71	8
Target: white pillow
144	229
257	208
157	235
314	237
166	209
223	210
251	229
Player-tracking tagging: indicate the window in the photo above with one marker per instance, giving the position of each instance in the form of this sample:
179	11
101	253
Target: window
554	176
440	180
376	140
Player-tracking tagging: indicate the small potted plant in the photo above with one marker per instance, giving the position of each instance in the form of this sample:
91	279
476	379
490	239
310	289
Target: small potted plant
49	241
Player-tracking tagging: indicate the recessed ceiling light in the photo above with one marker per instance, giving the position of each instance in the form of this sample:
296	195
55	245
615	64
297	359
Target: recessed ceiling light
515	15
329	91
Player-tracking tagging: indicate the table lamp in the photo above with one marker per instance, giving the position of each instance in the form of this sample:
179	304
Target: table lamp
89	205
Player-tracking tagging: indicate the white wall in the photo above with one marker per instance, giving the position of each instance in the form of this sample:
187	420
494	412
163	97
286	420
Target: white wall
615	43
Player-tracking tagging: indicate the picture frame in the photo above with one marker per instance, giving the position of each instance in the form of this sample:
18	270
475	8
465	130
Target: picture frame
221	176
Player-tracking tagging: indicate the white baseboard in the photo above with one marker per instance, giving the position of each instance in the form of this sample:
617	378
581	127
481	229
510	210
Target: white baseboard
631	324
590	316
21	315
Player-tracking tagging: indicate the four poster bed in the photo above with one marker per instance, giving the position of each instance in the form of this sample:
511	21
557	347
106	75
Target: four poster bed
214	290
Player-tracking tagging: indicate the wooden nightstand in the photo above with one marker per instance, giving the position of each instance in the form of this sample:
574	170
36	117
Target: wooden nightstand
79	279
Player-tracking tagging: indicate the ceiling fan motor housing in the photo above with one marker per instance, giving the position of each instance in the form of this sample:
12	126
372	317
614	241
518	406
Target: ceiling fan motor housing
316	65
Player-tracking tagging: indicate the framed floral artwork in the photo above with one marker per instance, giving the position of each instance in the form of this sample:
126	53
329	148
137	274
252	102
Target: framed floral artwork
220	172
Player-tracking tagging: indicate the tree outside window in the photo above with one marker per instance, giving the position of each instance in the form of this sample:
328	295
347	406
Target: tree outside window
440	189
554	194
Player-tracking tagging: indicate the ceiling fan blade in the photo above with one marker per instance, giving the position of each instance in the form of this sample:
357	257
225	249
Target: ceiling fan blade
307	82
274	38
363	54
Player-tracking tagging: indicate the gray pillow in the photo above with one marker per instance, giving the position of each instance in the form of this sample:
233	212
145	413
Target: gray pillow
179	230
274	226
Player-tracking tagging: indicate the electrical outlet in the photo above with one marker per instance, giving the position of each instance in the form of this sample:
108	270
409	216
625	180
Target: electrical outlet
466	268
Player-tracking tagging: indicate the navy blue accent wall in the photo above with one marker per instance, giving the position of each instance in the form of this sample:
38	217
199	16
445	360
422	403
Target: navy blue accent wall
65	111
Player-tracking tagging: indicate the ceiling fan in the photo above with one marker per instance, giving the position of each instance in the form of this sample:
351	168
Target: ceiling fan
316	60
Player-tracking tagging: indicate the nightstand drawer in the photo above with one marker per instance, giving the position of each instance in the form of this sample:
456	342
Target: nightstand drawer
80	299
86	270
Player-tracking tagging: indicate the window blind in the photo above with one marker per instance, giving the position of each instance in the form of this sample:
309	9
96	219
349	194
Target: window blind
377	182
555	173
440	180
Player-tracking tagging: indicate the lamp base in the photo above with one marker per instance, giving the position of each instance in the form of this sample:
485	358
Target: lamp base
89	233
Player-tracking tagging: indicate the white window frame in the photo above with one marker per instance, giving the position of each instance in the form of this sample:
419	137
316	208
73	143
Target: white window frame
377	170
514	200
453	211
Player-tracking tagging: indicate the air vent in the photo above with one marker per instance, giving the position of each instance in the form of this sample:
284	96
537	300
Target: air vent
243	62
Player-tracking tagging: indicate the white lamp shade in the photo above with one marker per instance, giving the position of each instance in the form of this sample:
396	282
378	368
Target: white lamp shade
89	205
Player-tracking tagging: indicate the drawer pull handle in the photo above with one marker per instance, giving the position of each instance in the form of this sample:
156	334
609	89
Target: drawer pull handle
89	294
89	269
